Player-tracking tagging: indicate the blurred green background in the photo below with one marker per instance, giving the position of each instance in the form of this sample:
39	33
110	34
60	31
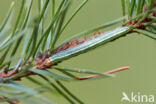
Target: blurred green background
134	50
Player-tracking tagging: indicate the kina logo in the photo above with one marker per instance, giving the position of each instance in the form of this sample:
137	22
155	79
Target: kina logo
137	97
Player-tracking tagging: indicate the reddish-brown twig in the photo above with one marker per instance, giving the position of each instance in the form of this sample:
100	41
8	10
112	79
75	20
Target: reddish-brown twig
10	102
109	72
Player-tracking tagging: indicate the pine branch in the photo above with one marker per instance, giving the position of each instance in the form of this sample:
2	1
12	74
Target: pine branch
40	53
